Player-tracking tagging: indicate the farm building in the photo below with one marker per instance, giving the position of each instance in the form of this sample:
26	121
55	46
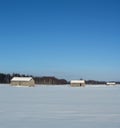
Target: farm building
22	81
110	83
77	83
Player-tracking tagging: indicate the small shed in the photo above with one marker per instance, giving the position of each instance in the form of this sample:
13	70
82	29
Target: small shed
111	83
22	81
77	83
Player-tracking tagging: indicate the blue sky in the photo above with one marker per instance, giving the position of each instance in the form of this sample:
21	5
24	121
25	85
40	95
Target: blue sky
69	39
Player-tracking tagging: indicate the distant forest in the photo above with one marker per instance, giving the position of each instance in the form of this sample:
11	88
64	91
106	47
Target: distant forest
5	78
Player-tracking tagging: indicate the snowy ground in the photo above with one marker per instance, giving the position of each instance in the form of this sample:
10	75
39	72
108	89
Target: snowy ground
60	107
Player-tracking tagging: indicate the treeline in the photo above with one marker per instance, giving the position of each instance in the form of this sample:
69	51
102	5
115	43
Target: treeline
94	82
5	78
49	80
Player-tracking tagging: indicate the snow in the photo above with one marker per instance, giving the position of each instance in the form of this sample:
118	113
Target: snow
21	78
60	107
77	81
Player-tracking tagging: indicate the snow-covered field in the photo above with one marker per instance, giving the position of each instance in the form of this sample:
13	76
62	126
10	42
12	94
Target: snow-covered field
60	107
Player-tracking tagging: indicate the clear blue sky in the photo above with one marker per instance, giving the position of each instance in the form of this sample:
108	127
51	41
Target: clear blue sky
69	39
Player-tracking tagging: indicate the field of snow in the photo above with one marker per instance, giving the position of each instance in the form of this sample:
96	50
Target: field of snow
60	107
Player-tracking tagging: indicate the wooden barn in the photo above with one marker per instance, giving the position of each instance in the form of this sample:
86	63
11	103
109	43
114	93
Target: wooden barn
22	81
77	83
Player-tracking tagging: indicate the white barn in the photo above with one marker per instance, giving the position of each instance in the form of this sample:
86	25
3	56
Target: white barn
110	83
77	83
22	81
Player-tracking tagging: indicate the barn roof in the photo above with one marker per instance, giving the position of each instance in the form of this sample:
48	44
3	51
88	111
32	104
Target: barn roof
77	81
21	78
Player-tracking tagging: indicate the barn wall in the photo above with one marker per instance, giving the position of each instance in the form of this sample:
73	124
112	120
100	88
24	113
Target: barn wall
77	84
23	83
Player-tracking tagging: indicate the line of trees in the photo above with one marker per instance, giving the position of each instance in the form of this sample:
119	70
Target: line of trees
5	78
95	82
